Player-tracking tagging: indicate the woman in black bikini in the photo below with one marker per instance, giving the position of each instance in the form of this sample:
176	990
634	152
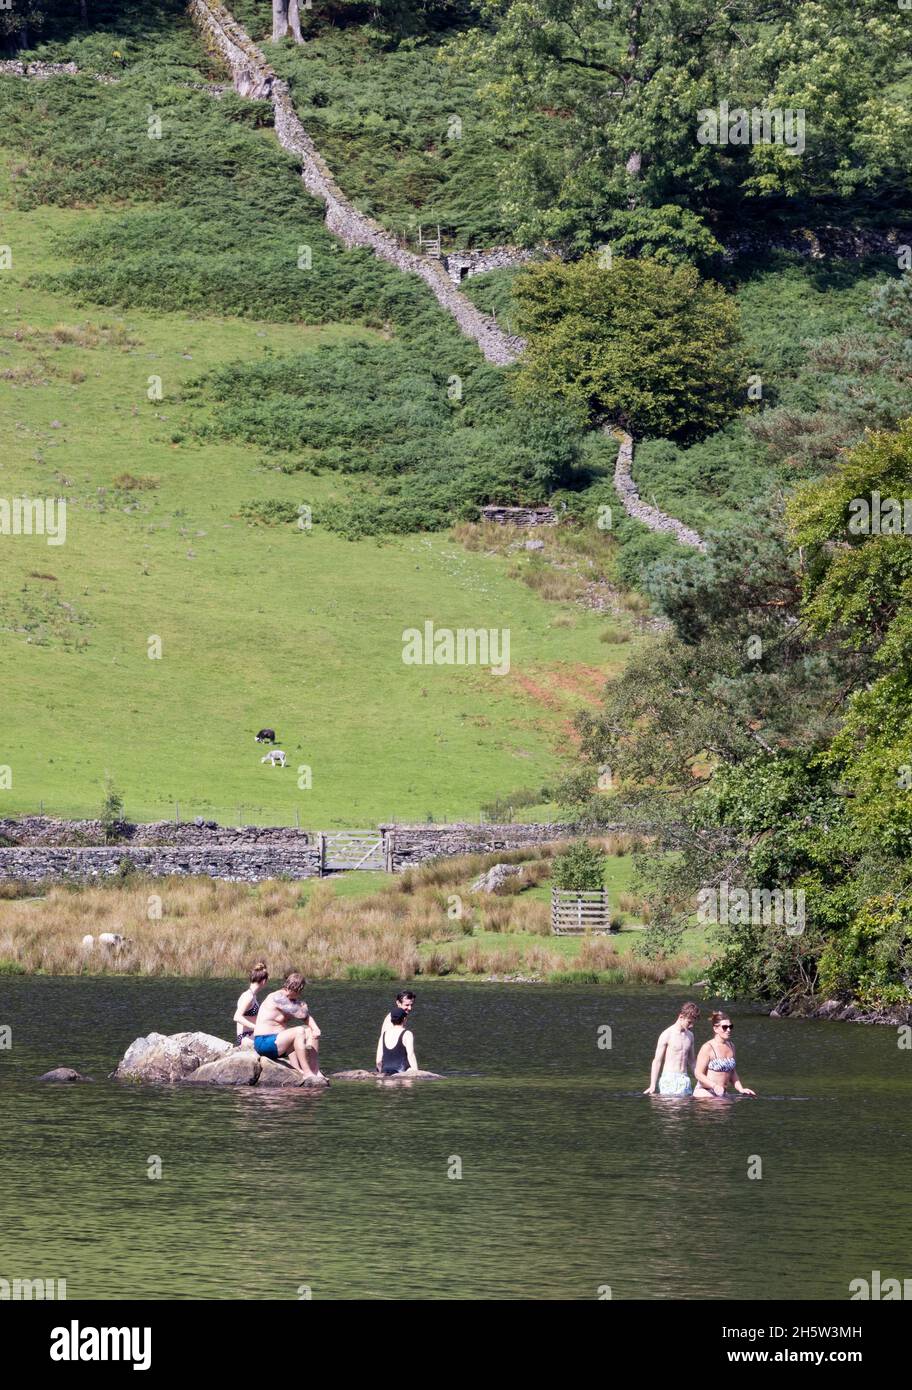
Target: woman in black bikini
248	1006
398	1046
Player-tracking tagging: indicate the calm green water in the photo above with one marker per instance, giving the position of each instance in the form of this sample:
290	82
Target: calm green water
571	1179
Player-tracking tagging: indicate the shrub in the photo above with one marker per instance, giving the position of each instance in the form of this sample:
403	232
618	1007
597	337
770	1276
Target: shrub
269	512
111	813
872	959
580	869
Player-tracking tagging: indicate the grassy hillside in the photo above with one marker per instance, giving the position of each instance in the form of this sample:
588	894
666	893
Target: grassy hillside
259	624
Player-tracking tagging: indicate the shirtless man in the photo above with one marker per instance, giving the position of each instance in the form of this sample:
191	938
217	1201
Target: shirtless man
274	1034
674	1056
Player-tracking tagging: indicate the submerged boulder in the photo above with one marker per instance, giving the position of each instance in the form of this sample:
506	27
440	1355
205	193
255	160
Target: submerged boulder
63	1074
274	1074
161	1057
363	1075
239	1067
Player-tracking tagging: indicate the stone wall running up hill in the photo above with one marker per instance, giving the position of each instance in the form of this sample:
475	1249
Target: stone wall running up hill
254	77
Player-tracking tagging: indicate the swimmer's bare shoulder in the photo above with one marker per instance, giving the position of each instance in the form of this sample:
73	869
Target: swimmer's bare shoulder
293	1008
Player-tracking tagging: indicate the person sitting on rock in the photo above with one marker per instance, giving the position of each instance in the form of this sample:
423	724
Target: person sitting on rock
397	1045
275	1036
248	1006
405	1000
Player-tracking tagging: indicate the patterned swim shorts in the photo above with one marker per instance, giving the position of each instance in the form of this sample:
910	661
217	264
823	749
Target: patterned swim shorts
676	1083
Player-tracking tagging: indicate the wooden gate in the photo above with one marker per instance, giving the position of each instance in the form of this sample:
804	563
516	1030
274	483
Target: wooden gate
573	913
352	849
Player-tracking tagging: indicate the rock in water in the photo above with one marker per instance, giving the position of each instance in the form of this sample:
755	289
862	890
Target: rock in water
63	1074
362	1075
280	1074
158	1057
205	1060
240	1067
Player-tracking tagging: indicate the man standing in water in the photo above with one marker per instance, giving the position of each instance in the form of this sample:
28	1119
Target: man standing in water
674	1056
284	1028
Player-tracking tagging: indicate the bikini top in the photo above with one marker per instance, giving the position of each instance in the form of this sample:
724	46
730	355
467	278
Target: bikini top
253	1008
721	1063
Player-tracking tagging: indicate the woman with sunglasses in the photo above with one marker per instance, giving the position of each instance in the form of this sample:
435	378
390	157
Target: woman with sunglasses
716	1067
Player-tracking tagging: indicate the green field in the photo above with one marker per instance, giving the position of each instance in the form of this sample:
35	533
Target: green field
297	630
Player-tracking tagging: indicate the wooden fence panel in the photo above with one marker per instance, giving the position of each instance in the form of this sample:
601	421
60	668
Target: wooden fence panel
573	914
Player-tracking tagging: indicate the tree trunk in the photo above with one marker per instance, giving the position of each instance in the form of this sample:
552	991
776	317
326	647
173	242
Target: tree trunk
634	167
279	19
285	16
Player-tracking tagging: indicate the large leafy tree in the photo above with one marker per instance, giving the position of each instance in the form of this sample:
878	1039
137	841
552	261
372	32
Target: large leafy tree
649	346
610	94
857	528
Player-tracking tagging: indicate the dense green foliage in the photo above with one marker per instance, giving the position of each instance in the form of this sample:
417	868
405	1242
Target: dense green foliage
580	869
402	129
624	85
636	343
372	411
777	752
580	123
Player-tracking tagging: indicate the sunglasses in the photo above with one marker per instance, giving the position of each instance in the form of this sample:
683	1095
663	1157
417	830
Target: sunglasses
726	1027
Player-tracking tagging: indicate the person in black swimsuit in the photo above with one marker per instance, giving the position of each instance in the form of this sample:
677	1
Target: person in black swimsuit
248	1006
398	1046
405	1001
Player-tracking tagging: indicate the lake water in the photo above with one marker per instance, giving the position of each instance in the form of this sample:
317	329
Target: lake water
571	1178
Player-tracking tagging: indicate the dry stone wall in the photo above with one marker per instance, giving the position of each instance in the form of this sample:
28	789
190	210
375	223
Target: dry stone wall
254	77
461	265
641	511
239	864
49	832
415	844
35	849
519	516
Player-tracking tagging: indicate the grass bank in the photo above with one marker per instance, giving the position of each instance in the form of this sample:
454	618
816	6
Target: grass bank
425	922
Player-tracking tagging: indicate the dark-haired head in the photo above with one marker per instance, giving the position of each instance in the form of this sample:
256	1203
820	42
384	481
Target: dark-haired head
405	994
398	1016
